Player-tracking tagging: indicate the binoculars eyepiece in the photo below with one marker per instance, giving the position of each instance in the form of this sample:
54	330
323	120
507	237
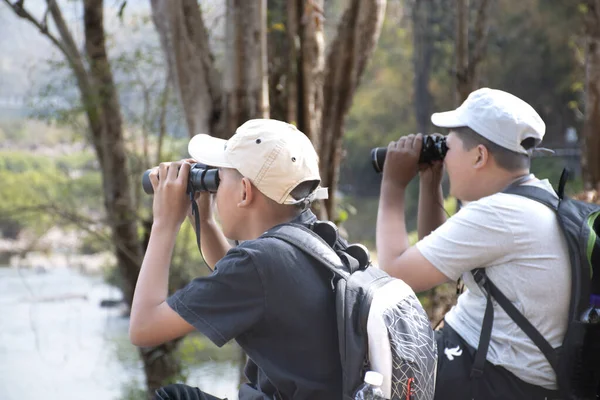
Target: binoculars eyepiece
434	149
201	179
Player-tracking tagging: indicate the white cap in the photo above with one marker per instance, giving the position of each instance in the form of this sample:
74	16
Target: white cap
498	116
274	155
373	378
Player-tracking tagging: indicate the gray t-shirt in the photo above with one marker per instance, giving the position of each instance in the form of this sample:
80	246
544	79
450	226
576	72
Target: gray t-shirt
519	242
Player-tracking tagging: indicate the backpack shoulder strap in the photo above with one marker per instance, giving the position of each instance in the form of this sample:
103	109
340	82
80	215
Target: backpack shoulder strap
311	244
492	291
535	193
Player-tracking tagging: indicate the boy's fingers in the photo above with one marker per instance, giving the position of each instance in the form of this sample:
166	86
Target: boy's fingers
154	177
184	172
173	170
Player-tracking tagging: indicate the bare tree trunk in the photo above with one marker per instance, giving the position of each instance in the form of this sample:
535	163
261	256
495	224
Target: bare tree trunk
311	67
245	75
299	64
293	75
422	55
184	40
467	71
161	365
463	86
357	35
591	127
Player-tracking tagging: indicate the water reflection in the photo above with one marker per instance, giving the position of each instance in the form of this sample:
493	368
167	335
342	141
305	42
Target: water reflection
56	342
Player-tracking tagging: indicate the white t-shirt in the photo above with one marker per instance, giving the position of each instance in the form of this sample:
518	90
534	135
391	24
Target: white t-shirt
520	244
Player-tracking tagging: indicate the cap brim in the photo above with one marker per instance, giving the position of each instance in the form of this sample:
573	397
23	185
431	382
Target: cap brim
209	150
448	119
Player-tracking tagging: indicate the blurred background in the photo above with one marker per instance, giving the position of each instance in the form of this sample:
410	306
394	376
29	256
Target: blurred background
92	93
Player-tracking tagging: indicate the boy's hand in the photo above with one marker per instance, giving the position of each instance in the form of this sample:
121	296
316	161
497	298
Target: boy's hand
432	172
402	160
204	200
171	201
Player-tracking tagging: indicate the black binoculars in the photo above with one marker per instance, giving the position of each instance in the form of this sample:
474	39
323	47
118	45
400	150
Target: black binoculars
202	178
434	149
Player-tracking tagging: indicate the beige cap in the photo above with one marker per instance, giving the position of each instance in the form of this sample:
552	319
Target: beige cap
274	155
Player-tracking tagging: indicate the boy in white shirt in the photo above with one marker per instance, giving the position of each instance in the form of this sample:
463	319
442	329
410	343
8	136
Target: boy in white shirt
516	240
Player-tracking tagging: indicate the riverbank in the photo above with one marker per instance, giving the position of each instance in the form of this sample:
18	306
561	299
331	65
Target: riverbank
58	342
56	248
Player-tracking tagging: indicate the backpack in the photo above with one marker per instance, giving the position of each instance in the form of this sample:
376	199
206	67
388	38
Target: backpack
381	324
577	362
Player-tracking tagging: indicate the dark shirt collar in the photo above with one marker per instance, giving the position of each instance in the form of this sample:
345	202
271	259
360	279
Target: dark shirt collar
305	218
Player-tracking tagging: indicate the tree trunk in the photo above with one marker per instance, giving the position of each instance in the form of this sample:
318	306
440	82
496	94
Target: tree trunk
467	71
109	137
463	85
184	41
357	35
245	75
422	55
591	127
310	67
161	365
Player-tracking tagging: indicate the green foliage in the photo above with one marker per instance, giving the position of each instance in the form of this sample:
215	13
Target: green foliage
196	348
97	242
133	391
39	191
31	134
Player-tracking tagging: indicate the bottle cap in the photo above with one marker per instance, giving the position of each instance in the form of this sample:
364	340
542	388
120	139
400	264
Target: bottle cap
373	378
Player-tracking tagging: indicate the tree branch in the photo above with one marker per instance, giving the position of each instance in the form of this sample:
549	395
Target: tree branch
197	83
79	220
19	9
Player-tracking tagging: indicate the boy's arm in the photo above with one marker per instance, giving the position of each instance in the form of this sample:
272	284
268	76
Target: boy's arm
152	321
394	253
213	243
431	213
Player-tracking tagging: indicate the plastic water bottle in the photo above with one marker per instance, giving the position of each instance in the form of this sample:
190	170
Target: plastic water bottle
371	388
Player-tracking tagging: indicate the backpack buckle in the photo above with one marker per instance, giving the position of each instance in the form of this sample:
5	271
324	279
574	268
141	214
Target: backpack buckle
479	276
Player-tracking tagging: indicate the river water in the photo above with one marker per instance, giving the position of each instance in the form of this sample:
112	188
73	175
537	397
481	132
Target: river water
56	342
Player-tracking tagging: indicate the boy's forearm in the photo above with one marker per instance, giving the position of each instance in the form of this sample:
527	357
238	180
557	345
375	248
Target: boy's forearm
153	281
431	212
391	235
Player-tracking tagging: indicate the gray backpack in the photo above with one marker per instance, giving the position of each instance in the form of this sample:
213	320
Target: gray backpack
381	323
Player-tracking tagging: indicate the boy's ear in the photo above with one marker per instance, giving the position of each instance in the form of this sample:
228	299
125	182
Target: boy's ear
247	193
482	157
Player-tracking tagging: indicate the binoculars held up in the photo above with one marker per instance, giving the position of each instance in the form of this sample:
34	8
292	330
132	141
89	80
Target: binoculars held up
201	179
434	149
